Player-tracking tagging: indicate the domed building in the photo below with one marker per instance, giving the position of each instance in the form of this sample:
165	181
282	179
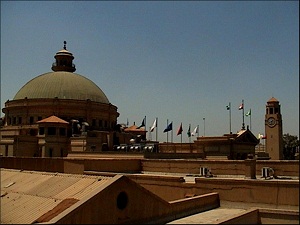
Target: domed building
61	94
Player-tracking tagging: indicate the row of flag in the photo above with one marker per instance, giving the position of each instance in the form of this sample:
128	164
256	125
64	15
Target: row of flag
241	106
189	133
180	130
170	127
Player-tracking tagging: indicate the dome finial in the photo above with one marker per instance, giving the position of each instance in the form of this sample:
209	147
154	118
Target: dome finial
65	45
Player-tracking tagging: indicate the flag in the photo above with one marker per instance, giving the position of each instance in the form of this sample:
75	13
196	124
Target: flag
142	125
168	128
153	126
264	137
260	136
227	107
179	131
241	106
195	131
189	131
248	113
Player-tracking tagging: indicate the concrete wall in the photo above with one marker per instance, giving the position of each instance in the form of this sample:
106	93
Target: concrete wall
275	216
188	166
273	191
240	190
64	165
220	167
178	148
113	165
229	167
35	164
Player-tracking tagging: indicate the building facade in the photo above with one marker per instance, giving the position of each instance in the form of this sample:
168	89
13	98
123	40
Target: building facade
69	96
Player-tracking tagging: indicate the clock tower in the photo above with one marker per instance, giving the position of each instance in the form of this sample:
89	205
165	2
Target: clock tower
273	130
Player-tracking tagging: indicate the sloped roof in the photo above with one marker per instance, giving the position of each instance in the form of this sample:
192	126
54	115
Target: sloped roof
134	128
242	136
56	198
273	100
28	195
52	119
246	136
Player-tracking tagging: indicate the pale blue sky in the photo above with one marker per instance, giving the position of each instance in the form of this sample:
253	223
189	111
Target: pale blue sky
180	61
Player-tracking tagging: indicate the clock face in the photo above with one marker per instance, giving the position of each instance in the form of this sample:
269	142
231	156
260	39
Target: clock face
271	122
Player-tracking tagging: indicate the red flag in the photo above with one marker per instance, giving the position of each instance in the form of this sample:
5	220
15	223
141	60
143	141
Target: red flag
179	129
241	106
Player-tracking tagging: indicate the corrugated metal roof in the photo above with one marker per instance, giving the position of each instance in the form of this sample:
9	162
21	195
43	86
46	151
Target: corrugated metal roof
27	195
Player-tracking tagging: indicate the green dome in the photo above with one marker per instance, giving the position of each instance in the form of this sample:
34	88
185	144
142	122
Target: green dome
63	85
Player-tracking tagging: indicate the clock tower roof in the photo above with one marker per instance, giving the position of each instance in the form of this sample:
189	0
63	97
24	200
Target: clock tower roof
273	100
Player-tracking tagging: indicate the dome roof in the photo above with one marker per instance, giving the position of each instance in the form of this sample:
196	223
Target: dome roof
63	85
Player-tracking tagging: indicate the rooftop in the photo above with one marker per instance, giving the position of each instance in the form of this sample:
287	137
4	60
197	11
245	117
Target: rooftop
23	191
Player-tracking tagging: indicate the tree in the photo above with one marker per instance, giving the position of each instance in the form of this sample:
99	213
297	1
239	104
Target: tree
290	146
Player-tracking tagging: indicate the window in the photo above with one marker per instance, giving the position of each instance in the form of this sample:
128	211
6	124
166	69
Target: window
51	130
271	110
62	131
42	131
20	120
31	120
122	200
100	123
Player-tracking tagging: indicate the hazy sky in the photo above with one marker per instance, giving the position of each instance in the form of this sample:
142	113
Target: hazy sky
179	61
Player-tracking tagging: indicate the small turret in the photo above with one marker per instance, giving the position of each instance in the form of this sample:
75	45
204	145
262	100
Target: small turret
63	60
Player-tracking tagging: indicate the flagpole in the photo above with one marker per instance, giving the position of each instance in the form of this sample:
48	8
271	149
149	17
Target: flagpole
243	125
190	134
198	131
181	142
230	118
172	133
156	127
167	132
204	126
145	130
150	137
250	118
181	138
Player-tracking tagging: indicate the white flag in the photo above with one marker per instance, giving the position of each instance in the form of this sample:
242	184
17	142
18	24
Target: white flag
153	126
195	131
260	136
